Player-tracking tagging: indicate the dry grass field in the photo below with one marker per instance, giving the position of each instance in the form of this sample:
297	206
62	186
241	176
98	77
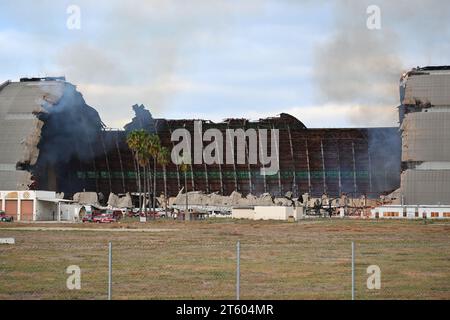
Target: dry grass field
310	259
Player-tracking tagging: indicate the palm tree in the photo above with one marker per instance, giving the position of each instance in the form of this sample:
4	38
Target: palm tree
163	158
153	148
133	141
144	160
184	169
138	141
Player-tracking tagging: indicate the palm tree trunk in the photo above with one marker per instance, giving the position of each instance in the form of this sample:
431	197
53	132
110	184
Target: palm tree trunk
139	182
165	189
135	170
149	177
147	199
165	180
145	193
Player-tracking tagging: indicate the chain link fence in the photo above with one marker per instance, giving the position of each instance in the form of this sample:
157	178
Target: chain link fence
156	269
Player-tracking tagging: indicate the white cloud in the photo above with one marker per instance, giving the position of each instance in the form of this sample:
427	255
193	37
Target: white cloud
316	116
332	115
220	59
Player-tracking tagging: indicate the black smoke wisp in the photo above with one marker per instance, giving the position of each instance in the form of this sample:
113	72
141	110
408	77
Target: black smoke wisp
385	155
69	135
142	120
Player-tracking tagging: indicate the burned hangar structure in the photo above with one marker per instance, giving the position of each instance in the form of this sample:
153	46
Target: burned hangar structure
45	123
52	140
424	114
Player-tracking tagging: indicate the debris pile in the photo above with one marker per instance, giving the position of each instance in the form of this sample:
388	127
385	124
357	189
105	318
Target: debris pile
89	198
116	201
199	198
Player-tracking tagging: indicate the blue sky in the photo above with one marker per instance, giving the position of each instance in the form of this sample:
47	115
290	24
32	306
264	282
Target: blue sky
219	59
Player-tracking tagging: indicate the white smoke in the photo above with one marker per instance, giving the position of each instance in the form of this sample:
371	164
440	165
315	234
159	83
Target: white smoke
358	66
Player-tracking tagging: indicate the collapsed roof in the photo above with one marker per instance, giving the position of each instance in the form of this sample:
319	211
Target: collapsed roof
55	141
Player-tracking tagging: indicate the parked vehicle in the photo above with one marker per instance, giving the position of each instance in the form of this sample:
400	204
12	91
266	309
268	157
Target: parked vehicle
135	212
157	214
5	218
104	218
154	214
91	210
116	214
87	218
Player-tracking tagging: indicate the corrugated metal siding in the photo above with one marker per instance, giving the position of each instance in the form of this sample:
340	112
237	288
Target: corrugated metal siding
426	136
426	187
428	88
14	180
20	129
425	96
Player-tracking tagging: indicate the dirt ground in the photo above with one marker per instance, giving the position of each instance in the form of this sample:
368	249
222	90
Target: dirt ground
309	259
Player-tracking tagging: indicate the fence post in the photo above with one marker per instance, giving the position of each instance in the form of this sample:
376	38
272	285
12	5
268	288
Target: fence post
238	269
110	271
353	270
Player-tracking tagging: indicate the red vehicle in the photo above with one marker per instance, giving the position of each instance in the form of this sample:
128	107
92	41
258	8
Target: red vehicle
5	218
104	218
87	218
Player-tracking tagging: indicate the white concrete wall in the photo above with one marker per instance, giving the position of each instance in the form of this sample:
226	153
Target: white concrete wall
44	211
384	210
28	194
268	213
443	212
241	213
273	212
41	210
411	212
440	210
45	194
426	187
298	213
70	212
21	195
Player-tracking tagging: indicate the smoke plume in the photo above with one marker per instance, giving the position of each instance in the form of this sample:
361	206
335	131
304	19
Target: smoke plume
361	66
